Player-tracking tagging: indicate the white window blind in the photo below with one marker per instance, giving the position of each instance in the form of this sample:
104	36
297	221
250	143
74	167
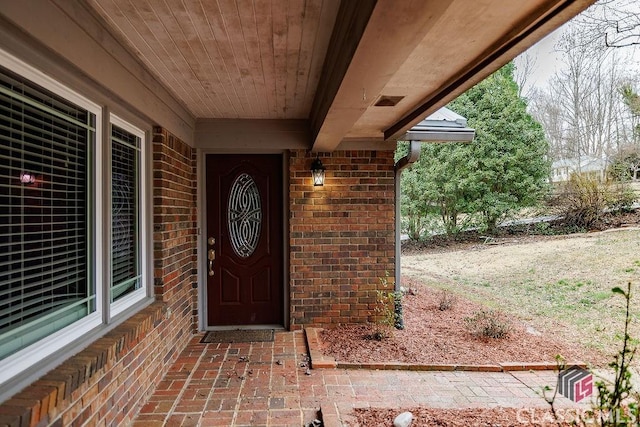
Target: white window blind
60	283
125	160
45	152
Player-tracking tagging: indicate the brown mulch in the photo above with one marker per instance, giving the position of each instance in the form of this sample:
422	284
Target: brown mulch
489	417
433	336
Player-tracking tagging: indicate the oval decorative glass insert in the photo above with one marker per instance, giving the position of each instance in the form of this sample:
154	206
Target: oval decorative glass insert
245	215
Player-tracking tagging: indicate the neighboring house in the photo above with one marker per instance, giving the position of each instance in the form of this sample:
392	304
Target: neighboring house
155	173
563	169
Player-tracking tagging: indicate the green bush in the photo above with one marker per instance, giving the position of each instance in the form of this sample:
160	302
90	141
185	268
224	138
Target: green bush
386	310
422	227
621	197
543	228
617	401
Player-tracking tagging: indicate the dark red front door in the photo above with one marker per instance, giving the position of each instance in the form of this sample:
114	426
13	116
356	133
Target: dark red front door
244	231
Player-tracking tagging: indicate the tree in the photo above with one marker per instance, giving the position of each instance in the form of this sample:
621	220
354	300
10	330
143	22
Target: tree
581	108
503	169
632	100
612	23
626	164
437	184
525	66
545	109
415	199
507	169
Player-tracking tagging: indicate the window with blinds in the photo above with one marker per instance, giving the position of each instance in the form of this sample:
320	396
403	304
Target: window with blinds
125	158
45	152
61	284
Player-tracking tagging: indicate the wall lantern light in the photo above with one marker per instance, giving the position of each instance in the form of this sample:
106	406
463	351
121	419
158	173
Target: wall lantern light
27	178
317	172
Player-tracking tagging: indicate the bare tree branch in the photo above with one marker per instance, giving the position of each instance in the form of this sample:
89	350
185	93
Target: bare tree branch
525	65
612	23
582	109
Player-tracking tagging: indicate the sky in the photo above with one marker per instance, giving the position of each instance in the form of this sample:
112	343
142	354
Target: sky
548	62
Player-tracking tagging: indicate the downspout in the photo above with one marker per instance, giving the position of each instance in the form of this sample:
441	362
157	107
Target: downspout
408	160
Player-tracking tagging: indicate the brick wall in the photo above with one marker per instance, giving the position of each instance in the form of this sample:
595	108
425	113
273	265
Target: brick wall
175	225
108	382
342	236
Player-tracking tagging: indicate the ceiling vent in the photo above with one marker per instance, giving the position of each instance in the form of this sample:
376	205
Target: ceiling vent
388	101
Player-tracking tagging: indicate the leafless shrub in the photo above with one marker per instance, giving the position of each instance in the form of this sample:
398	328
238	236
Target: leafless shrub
585	199
446	300
488	324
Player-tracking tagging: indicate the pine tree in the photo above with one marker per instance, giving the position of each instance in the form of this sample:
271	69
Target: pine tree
503	169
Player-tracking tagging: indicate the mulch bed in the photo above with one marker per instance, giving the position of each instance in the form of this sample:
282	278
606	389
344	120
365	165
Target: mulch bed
517	234
481	417
434	336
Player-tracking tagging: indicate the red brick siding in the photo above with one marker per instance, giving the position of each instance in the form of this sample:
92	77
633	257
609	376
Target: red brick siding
341	236
175	224
108	382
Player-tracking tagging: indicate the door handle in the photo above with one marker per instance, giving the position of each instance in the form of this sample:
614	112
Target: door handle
211	255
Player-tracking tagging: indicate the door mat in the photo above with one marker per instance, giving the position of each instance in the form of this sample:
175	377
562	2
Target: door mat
238	335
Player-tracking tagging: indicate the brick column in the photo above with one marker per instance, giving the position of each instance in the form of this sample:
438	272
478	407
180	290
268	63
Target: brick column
342	236
175	224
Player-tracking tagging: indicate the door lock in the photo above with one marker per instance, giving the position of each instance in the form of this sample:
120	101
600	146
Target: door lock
211	254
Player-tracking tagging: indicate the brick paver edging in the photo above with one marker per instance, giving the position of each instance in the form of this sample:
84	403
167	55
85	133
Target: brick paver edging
320	361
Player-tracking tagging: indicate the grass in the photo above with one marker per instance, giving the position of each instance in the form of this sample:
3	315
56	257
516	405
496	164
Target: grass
561	286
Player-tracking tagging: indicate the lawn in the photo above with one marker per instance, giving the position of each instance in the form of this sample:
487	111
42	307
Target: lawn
559	285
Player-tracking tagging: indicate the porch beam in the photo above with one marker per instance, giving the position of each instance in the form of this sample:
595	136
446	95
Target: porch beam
350	24
371	41
251	135
549	16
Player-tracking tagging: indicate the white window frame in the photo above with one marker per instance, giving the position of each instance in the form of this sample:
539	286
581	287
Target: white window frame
22	363
140	294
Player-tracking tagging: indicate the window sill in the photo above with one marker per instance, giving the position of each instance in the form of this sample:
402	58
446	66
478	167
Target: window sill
47	398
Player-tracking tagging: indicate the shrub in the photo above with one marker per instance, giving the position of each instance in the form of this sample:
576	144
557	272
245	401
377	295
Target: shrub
584	202
543	228
387	311
617	402
385	315
621	197
446	300
488	324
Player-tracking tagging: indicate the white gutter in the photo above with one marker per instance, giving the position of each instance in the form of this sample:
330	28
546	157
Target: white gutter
442	126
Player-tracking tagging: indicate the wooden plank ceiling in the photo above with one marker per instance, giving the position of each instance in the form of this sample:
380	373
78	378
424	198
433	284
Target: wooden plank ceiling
265	59
226	59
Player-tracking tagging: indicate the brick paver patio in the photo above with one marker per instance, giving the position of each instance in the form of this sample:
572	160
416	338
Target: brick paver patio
269	384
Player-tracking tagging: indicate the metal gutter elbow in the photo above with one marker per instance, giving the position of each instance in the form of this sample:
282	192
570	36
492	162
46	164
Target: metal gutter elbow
412	156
